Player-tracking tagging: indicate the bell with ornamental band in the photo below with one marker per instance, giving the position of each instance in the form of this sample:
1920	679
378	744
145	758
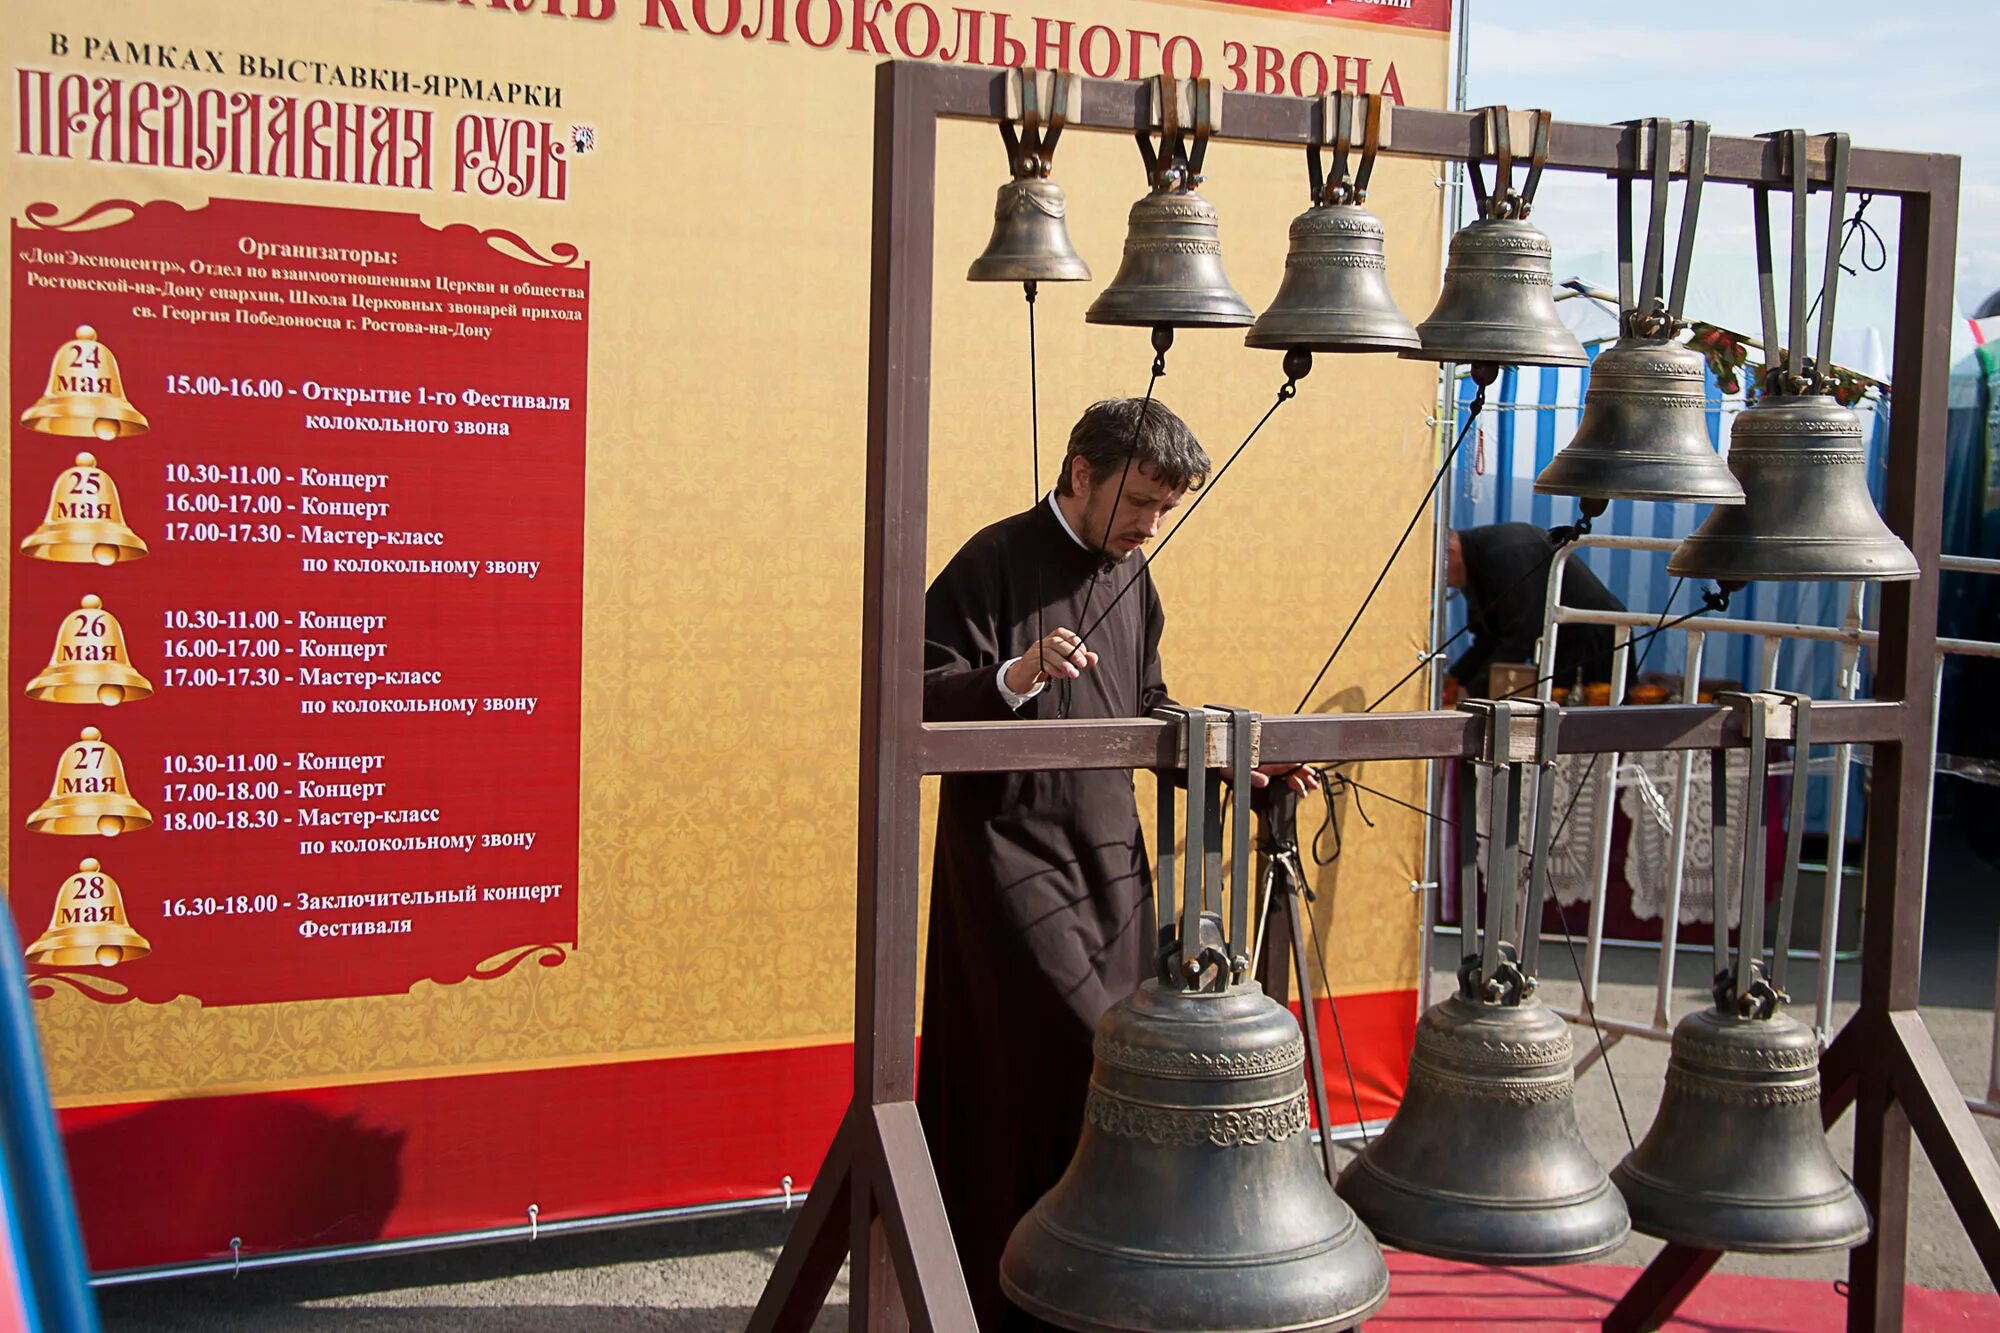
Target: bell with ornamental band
1484	1160
1498	303
1171	276
1194	1201
89	927
86	395
1030	241
1737	1157
1799	454
89	664
85	523
1335	294
89	794
1644	432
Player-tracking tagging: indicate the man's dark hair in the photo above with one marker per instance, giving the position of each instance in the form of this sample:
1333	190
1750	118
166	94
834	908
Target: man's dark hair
1144	430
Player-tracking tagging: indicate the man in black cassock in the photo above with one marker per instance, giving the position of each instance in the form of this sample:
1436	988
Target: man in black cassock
1041	893
1503	571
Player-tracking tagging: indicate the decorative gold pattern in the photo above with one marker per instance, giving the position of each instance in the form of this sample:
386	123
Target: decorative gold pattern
1521	1092
1179	1127
1789	1093
1332	259
1201	1064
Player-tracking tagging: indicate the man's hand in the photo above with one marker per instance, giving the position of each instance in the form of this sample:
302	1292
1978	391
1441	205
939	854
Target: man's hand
1301	778
1058	656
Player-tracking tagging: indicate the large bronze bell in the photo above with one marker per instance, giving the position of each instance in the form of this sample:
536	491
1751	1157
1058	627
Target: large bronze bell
1484	1160
1194	1201
1498	302
1736	1158
1335	294
1799	454
1171	275
1644	432
1030	241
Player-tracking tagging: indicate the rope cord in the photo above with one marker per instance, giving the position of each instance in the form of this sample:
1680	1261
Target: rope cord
1333	1008
1286	391
1444	468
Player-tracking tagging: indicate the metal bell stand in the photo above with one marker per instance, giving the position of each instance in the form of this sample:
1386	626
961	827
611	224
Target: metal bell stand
876	1197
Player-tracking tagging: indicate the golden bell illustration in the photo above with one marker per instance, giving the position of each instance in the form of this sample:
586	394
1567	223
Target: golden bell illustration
89	927
89	794
86	524
89	664
86	395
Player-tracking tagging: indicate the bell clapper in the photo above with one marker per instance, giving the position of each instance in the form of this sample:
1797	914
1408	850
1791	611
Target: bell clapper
1163	338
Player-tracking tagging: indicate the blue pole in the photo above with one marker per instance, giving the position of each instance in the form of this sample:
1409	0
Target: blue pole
51	1247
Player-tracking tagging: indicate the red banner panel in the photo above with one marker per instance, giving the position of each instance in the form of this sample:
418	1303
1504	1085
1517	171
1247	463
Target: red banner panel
1426	15
325	731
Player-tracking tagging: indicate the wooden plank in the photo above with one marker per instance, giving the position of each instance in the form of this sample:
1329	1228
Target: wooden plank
1950	1136
811	1259
919	1233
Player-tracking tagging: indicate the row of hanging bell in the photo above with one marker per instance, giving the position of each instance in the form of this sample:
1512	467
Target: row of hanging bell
85	393
90	794
89	926
1497	302
1194	1201
85	523
89	664
1737	1158
1484	1160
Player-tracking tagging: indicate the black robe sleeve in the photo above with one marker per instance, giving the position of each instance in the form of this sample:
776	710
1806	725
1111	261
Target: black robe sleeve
963	643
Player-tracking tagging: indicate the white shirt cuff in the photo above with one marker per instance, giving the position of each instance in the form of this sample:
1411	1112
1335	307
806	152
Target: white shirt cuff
1012	699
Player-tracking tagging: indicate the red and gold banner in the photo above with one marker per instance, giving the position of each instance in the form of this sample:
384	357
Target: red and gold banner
436	472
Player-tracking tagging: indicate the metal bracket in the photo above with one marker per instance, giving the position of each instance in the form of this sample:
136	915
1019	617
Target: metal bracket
1037	99
1504	742
1218	737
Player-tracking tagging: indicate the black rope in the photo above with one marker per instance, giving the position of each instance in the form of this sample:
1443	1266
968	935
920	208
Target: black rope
1562	912
1472	415
1857	224
1035	447
1333	1008
1064	684
1286	392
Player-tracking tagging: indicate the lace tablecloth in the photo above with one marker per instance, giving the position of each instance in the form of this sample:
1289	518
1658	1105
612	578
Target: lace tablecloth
1646	786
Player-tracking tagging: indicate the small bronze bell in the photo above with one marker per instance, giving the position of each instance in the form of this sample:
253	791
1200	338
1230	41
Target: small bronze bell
1484	1160
1171	275
1799	454
85	523
86	395
1335	293
1030	241
89	664
1736	1158
1498	303
1644	432
89	794
1194	1201
89	927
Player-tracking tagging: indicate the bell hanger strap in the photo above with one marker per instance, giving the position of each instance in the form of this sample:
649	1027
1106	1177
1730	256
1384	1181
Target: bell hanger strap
1649	311
1795	831
1493	974
1040	100
1742	989
1548	723
1344	119
1193	955
1498	128
1794	373
1181	109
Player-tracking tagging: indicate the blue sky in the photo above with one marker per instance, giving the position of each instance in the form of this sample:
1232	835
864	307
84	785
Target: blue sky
1924	74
